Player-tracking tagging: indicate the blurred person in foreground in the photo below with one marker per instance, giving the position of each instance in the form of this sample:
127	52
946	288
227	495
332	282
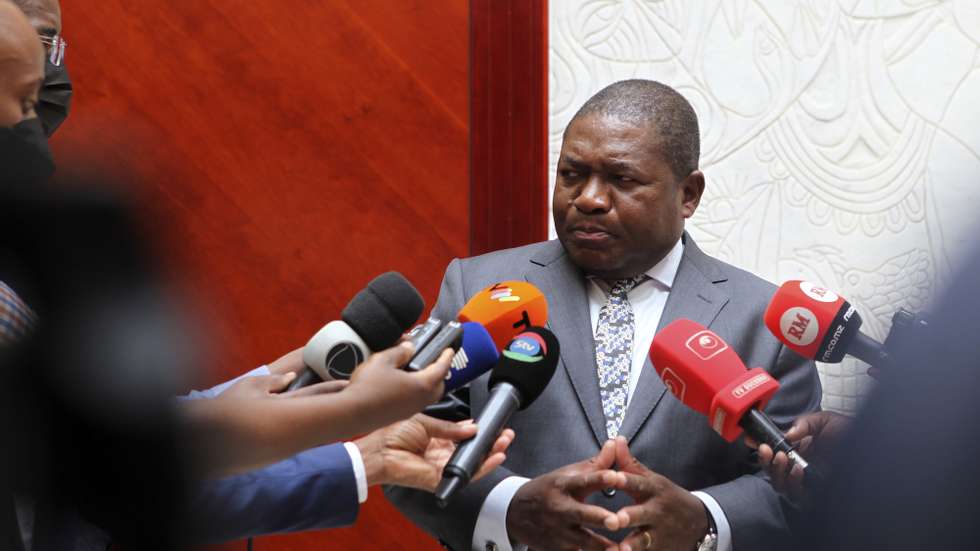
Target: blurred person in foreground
410	452
902	473
904	476
54	97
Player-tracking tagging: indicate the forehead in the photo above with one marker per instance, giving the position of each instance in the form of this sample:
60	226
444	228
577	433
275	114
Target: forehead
44	15
597	138
20	50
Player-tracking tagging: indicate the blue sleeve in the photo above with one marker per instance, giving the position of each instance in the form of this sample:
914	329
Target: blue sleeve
312	490
215	391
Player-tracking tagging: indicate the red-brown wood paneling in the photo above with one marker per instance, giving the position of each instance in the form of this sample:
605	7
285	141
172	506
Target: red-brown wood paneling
290	150
508	123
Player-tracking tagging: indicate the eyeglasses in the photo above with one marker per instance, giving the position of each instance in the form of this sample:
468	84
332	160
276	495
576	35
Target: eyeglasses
55	45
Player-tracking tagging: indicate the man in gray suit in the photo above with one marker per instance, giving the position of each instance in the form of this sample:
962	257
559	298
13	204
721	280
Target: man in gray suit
622	268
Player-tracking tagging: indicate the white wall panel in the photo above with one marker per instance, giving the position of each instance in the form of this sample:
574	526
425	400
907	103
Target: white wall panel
840	138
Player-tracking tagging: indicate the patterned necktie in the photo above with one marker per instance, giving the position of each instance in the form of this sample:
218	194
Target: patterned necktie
16	318
614	351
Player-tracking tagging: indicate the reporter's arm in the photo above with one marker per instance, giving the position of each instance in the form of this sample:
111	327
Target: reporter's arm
242	434
312	490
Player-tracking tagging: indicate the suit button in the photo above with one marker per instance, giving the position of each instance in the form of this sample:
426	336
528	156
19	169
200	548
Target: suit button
609	492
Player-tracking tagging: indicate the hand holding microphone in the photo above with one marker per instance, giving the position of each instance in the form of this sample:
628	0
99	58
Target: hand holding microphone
385	392
814	434
704	373
412	453
373	320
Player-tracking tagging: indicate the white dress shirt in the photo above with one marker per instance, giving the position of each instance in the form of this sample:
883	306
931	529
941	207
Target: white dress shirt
647	300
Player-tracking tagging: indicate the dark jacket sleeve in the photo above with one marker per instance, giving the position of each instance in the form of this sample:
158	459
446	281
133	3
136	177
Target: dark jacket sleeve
311	490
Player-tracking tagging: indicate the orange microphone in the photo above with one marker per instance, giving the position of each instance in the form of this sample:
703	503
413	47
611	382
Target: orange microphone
507	309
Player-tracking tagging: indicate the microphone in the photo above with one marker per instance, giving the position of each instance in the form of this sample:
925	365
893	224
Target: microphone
503	309
819	324
475	351
476	356
524	370
506	309
373	320
704	373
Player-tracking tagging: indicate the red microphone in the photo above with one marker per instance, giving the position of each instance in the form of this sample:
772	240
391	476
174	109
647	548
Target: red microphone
819	324
701	370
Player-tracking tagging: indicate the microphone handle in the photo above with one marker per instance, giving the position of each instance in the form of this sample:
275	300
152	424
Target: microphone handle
306	378
759	426
504	400
868	350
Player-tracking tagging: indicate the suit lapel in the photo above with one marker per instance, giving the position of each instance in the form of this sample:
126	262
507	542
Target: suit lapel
696	296
568	318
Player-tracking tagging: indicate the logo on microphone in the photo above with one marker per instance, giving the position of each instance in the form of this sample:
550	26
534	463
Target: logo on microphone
706	345
674	383
342	359
526	347
503	293
817	292
799	326
750	385
460	360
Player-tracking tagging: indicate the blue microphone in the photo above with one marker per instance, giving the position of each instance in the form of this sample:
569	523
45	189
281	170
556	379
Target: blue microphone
476	356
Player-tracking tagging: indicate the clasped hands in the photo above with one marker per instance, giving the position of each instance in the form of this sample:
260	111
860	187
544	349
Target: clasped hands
549	512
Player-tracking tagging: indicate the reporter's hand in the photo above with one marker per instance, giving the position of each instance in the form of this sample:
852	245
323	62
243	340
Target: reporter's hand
272	386
382	388
813	435
549	512
257	387
412	453
291	362
665	515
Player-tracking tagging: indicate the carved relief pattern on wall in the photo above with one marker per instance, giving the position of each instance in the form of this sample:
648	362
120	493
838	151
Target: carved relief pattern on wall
840	138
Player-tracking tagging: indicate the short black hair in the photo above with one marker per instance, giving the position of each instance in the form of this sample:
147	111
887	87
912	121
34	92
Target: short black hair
647	102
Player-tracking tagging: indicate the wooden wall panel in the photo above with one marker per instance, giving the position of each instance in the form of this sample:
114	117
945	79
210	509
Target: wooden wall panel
509	123
291	150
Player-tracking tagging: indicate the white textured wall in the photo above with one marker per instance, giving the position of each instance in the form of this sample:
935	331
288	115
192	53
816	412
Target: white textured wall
840	138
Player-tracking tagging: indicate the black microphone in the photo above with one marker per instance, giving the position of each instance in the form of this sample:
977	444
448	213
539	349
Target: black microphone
373	320
520	376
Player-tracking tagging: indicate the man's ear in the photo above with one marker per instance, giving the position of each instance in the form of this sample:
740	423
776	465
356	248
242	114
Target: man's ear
691	189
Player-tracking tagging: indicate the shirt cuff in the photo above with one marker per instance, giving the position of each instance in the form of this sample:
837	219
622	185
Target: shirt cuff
491	525
360	475
721	521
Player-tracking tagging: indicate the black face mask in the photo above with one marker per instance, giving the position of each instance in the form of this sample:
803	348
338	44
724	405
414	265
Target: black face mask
54	99
24	154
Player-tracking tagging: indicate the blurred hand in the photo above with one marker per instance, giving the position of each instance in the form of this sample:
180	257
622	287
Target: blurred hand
813	435
291	362
549	512
412	453
382	388
665	515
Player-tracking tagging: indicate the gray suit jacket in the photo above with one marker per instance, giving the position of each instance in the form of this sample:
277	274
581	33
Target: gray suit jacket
566	423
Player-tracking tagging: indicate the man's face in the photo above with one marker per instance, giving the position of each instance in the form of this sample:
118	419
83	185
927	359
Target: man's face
618	207
21	66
